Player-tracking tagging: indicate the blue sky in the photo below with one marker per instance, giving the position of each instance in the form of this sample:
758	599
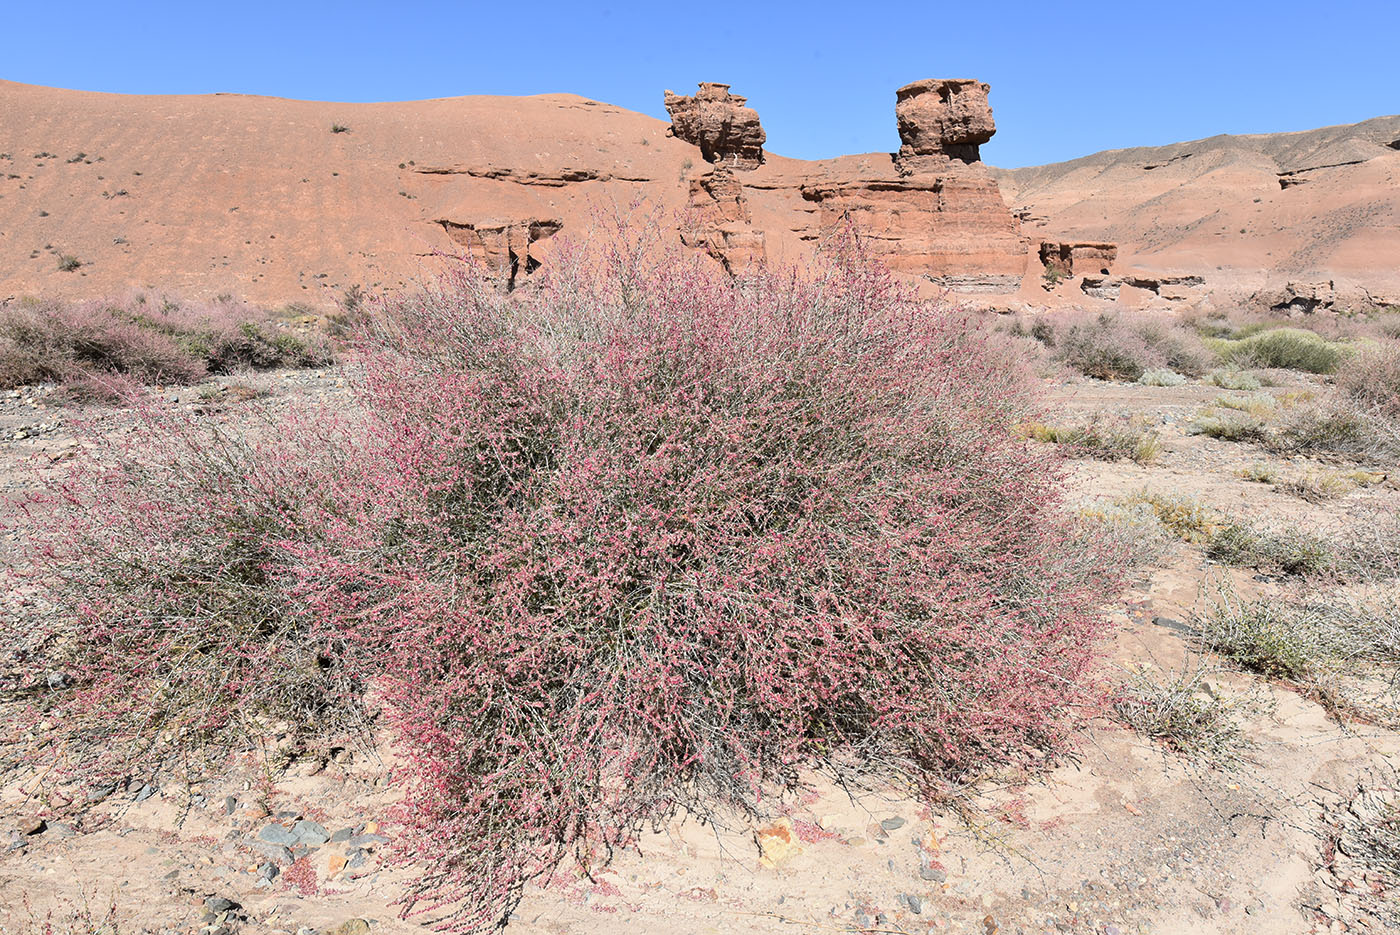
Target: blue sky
1067	78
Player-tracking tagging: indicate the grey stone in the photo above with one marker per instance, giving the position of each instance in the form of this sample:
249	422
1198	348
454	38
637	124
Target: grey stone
367	840
892	824
310	832
230	804
217	904
147	790
932	874
276	852
915	904
343	835
276	834
61	829
268	871
357	859
58	680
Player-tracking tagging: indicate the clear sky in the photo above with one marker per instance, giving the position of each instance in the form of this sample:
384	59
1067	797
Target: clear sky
1067	78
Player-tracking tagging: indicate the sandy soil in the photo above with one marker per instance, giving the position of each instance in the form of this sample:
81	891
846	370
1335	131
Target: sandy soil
1128	838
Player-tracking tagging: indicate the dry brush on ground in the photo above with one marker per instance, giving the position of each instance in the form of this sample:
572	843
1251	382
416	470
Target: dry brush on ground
637	539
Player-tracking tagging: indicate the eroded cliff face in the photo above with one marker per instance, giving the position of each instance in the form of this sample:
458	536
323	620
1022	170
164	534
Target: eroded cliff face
717	220
257	196
931	211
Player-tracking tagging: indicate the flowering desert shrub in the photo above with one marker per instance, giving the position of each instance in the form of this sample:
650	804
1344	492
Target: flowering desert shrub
639	538
1126	347
146	339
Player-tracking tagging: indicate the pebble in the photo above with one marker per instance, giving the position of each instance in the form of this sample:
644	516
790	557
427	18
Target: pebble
343	835
932	874
217	904
915	904
29	825
146	792
892	824
230	804
61	829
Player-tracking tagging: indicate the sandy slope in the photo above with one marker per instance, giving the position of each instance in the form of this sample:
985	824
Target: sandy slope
1217	207
258	197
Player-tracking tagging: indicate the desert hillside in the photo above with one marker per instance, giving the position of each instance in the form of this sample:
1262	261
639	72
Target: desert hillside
1248	210
285	201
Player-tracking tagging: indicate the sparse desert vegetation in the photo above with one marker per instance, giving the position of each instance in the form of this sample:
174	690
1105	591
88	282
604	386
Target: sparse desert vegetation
665	513
510	560
148	339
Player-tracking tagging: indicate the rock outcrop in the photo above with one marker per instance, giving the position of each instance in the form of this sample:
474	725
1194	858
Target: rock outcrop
725	128
934	211
504	247
1068	259
944	117
718	222
952	228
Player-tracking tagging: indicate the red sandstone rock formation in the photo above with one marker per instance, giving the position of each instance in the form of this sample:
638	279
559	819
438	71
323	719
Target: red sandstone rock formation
952	228
503	246
944	117
718	222
1065	260
936	212
726	130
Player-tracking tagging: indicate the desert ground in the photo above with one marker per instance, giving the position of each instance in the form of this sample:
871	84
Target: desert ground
1210	790
1130	837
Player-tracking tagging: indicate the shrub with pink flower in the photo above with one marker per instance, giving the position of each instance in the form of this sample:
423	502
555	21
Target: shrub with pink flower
642	538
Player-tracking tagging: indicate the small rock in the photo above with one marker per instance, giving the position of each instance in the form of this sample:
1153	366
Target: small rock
932	874
357	859
58	680
30	825
276	852
230	804
343	835
268	871
146	792
61	829
97	795
915	904
310	832
892	824
217	904
367	840
276	834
